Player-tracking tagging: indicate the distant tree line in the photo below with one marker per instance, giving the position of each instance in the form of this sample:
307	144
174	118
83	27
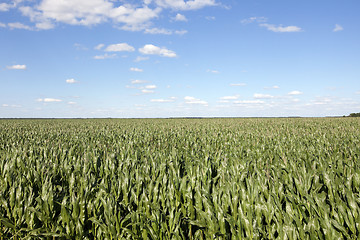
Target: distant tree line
354	115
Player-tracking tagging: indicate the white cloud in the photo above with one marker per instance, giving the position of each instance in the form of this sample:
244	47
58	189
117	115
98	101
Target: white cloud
150	86
99	46
120	47
147	91
181	18
47	100
249	102
210	18
262	96
17	25
133	69
230	97
105	56
140	58
44	25
138	81
5	105
150	49
4	7
171	99
71	81
185	5
273	28
338	28
253	19
71	103
295	93
158	31
91	12
238	84
2	25
192	100
17	67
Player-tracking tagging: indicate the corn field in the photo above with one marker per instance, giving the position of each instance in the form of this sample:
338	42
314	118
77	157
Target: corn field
180	178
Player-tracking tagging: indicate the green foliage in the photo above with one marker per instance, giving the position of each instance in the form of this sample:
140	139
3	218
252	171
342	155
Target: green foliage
180	179
354	115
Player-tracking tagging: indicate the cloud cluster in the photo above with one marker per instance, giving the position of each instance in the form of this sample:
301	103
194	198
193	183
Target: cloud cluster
148	49
128	15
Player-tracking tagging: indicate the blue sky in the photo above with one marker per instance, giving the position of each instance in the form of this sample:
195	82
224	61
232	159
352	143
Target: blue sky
173	58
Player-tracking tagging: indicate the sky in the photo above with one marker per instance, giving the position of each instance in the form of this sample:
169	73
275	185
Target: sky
177	58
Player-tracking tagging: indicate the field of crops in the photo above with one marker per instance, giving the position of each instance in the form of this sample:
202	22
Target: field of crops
180	179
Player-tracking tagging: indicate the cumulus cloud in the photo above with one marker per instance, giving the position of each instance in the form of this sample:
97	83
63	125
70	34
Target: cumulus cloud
120	47
4	7
274	28
70	81
48	100
262	96
185	5
134	69
105	56
150	49
91	12
180	18
295	93
16	67
338	28
192	100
